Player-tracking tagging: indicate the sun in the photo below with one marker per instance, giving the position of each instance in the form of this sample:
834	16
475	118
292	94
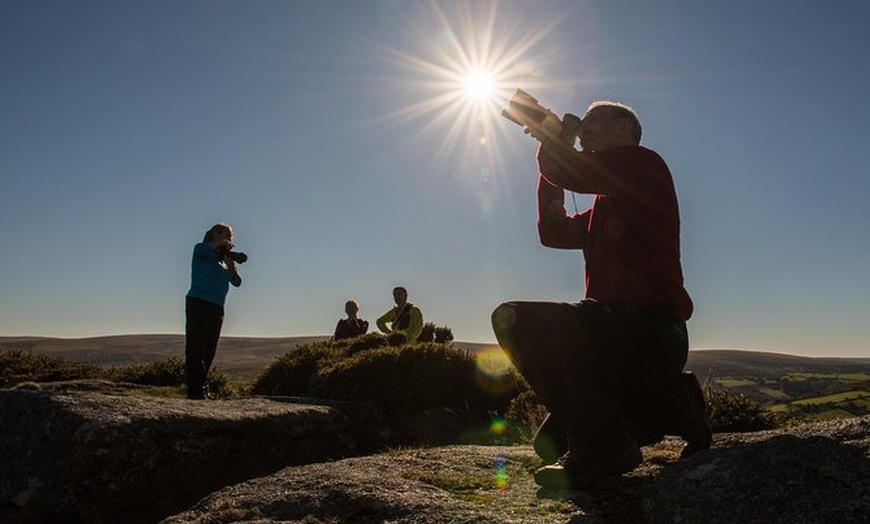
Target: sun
459	76
479	85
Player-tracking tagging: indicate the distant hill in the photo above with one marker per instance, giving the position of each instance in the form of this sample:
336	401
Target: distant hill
731	363
245	357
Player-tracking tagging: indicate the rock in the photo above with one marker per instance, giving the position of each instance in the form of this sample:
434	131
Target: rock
94	458
816	473
810	474
444	485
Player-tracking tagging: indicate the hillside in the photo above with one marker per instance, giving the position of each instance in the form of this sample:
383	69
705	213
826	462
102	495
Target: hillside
805	387
246	356
243	358
735	363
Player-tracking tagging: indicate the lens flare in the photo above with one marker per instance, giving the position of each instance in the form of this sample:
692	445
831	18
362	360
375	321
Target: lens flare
500	478
492	362
493	371
498	426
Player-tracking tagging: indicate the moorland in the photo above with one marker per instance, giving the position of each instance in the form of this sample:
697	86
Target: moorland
804	388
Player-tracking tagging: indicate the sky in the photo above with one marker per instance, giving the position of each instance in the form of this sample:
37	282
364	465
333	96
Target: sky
339	140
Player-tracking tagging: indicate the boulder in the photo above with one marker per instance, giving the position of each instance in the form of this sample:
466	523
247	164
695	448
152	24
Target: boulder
810	474
86	457
96	458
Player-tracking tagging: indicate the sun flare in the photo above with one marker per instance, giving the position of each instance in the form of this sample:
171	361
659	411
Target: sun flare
479	85
462	77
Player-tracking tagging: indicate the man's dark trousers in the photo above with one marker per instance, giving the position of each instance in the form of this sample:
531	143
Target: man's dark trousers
601	370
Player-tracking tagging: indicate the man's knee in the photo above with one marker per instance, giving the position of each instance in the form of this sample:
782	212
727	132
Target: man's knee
504	318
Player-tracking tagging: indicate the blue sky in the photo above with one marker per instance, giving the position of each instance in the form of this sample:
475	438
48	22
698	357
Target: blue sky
335	137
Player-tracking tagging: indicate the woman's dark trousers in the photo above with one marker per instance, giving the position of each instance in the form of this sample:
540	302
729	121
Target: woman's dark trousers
203	329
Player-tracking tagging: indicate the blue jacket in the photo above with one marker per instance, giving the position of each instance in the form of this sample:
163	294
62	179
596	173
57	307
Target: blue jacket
209	277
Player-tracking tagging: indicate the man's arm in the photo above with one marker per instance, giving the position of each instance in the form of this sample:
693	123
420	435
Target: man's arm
555	228
581	172
389	316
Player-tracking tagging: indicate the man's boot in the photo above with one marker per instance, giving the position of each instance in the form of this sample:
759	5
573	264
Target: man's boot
551	440
585	467
689	415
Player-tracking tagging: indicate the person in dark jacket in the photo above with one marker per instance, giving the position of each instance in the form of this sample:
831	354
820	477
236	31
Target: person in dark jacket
609	369
352	326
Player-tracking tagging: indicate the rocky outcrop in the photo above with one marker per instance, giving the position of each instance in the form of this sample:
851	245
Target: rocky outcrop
95	458
812	474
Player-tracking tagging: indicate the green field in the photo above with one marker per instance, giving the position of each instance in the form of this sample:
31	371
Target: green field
734	382
851	377
859	395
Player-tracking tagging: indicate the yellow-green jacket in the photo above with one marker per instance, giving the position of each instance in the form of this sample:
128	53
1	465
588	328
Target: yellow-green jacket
409	322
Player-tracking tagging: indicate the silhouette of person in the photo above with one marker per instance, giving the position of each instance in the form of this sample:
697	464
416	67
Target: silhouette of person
352	326
212	272
609	368
405	317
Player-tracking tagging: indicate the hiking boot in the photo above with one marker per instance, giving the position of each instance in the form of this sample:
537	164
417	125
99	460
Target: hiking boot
199	393
690	415
590	466
551	440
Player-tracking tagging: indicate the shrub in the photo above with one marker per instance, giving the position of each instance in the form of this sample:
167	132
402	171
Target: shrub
439	335
17	366
526	413
396	339
23	367
427	334
427	390
736	412
169	372
443	335
402	378
365	343
220	385
292	374
728	412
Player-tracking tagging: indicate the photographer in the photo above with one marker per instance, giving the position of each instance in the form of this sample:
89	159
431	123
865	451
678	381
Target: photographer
213	269
609	368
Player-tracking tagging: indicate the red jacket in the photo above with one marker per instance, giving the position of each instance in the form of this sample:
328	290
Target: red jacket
347	328
630	237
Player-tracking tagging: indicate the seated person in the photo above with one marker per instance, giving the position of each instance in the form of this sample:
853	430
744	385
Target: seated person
405	318
352	326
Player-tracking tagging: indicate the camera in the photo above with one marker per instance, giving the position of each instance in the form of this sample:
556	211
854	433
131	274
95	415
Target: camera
524	110
236	256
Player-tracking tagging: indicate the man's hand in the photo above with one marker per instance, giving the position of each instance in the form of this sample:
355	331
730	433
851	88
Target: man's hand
548	129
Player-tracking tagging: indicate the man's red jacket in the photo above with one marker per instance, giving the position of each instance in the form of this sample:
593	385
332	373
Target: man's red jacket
630	237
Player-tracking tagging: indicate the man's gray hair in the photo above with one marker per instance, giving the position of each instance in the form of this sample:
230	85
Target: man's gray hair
620	110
